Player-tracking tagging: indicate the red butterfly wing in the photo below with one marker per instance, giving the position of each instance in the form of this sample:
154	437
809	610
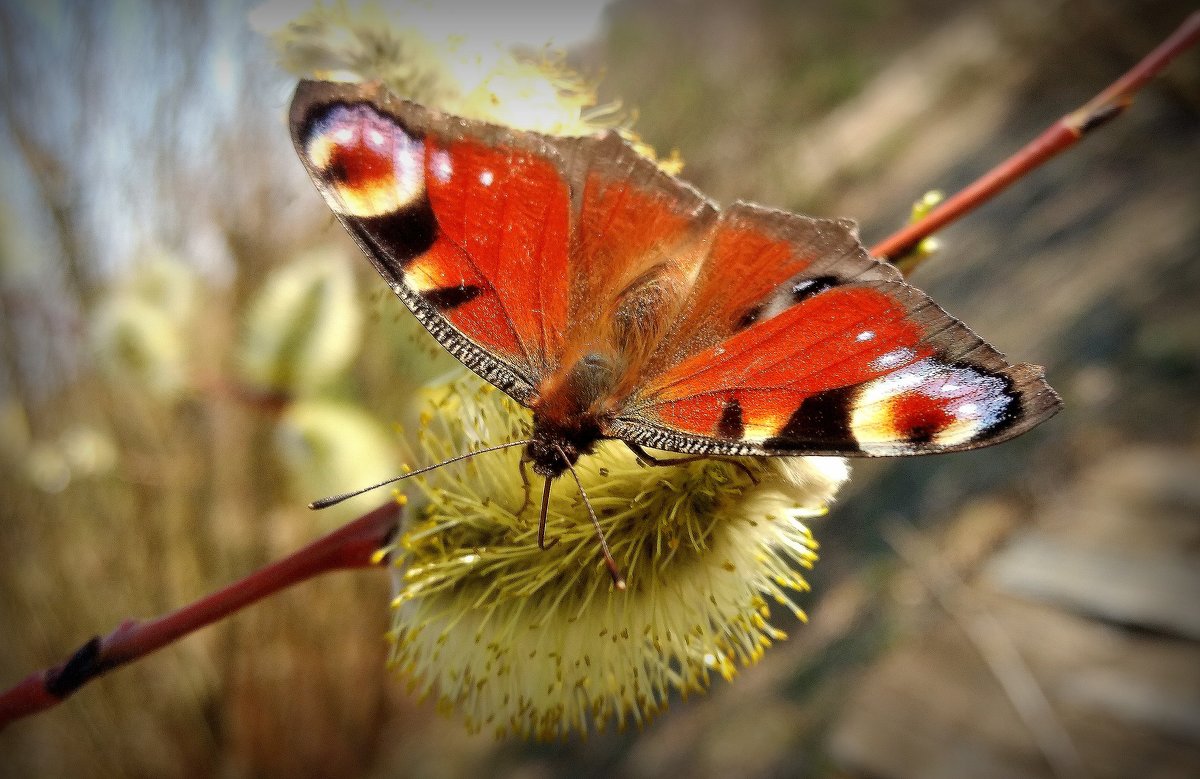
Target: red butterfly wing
468	223
840	358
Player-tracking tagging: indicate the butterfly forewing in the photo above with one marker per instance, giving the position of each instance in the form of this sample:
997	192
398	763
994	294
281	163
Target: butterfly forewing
469	223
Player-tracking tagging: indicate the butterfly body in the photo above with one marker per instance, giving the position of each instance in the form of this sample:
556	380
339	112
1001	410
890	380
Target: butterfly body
616	302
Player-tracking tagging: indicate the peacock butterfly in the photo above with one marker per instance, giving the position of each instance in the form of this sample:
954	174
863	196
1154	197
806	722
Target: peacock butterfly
616	302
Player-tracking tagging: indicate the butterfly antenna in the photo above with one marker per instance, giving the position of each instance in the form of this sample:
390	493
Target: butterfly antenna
333	500
618	579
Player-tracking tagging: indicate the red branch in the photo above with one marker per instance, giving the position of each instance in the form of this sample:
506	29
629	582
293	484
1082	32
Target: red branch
1057	138
354	545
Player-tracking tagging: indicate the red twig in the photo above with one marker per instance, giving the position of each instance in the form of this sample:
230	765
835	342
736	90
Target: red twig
1058	137
354	545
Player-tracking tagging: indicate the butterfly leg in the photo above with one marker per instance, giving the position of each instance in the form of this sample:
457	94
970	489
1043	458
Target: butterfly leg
542	522
650	459
527	485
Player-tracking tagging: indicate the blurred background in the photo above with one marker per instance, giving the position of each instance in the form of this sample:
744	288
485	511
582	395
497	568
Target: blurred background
1032	609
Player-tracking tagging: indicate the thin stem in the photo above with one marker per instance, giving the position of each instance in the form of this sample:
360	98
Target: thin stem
1057	138
355	545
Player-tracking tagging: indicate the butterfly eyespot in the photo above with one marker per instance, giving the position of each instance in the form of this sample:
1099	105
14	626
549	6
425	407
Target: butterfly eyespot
933	403
370	164
806	288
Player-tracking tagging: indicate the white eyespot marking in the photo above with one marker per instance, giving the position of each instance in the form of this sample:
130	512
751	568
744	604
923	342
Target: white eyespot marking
892	359
343	134
899	381
928	403
865	335
486	178
375	138
443	168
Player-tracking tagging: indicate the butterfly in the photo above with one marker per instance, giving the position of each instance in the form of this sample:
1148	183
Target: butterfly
615	301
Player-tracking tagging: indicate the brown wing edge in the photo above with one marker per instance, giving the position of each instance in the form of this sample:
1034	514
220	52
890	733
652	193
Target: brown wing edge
843	254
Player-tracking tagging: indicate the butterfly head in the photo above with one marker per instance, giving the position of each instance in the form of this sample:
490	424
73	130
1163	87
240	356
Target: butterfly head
555	448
